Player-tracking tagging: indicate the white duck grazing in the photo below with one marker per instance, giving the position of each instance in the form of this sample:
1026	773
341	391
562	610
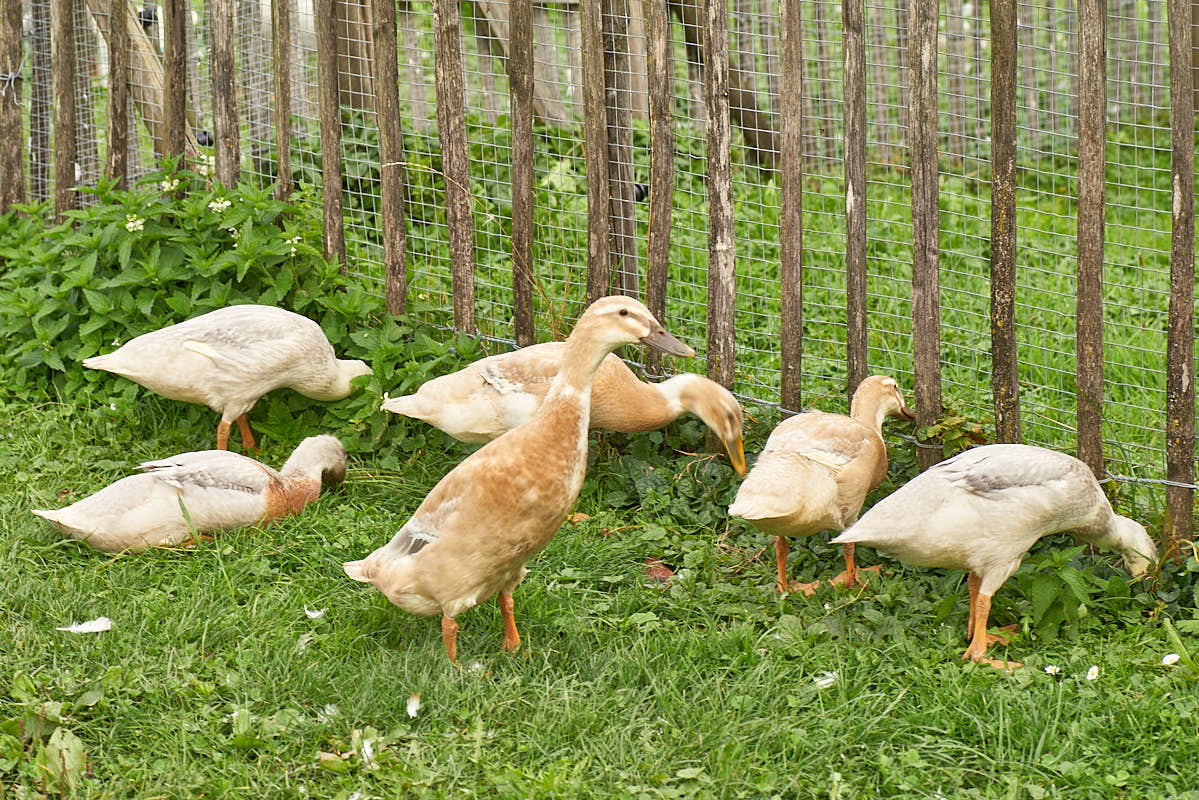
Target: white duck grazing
473	534
228	358
219	489
816	471
495	394
983	509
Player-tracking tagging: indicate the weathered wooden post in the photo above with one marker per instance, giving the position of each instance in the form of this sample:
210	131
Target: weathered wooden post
391	157
227	144
853	21
1005	386
595	146
12	150
1092	108
520	84
926	217
117	158
1180	344
174	66
281	40
451	126
63	79
330	124
791	161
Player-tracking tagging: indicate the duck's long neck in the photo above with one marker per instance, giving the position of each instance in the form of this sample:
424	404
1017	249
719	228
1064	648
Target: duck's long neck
631	405
868	411
571	387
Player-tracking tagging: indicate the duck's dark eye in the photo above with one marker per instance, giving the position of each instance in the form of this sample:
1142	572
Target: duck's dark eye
624	312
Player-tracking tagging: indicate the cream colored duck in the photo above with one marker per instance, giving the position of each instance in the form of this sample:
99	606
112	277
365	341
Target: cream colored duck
983	509
214	489
473	534
495	394
228	358
816	470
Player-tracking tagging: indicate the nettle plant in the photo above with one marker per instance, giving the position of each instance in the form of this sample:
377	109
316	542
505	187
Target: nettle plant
174	247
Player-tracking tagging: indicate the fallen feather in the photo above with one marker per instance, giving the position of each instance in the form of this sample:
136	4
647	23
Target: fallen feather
317	614
413	704
304	641
97	625
825	680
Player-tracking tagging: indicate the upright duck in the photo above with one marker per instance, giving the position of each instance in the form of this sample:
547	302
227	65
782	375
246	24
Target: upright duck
473	534
495	394
228	358
983	509
208	490
816	470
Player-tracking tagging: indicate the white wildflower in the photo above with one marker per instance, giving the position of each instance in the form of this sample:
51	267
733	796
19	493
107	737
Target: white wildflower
1093	672
217	206
234	232
97	625
134	223
355	796
476	666
825	680
170	185
1052	670
314	613
414	704
1170	659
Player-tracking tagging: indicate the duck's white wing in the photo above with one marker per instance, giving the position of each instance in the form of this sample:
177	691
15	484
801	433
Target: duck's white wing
213	471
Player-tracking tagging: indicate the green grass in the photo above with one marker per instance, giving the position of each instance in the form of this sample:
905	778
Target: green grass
214	682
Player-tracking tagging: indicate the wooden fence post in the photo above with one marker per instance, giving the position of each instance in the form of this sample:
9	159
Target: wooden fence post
1092	107
595	146
853	21
174	63
661	165
451	126
391	157
12	145
926	217
117	154
520	84
1005	386
226	134
721	265
791	161
62	66
1180	344
281	39
330	101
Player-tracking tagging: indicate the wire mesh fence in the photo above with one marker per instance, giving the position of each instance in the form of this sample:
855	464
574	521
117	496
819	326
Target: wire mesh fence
1137	240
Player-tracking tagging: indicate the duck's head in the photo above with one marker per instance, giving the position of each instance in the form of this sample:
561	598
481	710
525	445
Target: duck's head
716	406
617	320
1135	545
321	457
879	397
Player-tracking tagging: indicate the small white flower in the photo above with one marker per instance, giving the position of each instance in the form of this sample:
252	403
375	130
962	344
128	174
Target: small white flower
476	666
1052	670
170	185
293	252
113	406
218	206
314	613
355	796
414	704
234	232
1093	672
1170	659
828	607
825	680
134	223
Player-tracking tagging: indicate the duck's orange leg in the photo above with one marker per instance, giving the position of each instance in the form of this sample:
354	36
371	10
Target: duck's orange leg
781	549
247	438
222	436
511	635
449	634
849	577
972	581
978	629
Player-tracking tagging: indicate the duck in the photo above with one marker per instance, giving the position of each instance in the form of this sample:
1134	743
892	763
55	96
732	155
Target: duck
495	394
227	359
176	498
984	508
815	472
471	537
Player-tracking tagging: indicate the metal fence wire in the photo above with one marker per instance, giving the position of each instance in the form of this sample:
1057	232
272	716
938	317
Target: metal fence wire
1137	254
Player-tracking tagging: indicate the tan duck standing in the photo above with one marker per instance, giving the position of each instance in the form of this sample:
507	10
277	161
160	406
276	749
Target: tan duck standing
816	471
495	394
983	509
228	358
473	534
218	490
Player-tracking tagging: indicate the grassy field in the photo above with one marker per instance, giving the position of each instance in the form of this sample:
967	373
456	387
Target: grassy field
215	682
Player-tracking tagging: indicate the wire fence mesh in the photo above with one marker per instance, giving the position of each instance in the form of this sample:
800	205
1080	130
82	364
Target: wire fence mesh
1138	188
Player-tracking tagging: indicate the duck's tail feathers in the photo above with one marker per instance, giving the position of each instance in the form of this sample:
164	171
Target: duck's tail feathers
356	570
53	517
99	362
